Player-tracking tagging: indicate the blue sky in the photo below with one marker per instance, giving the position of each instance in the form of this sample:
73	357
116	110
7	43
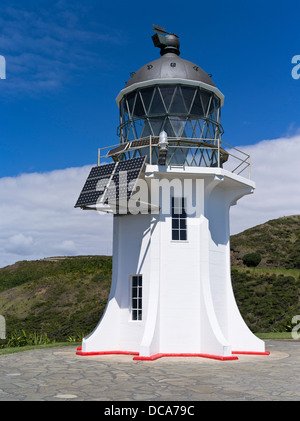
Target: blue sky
68	60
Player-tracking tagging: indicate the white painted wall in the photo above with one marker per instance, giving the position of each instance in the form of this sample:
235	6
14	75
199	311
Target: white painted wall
188	302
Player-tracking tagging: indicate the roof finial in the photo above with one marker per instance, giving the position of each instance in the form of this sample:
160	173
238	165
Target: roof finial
167	42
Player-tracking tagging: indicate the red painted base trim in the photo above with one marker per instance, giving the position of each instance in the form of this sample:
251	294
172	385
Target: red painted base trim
214	357
251	353
161	355
79	352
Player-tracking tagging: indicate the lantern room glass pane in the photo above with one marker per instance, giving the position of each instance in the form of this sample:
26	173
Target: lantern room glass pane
139	110
146	95
167	94
157	106
197	108
130	102
188	94
183	112
178	104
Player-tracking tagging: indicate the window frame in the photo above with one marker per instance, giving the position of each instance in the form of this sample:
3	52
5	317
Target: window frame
136	297
178	219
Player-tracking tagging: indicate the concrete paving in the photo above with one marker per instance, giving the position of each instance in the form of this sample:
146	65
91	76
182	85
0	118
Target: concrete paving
58	374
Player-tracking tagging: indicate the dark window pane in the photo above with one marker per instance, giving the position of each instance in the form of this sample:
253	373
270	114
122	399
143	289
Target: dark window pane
139	315
134	303
134	315
175	234
175	223
182	234
183	223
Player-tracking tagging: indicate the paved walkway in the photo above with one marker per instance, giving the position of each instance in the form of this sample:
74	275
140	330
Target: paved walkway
57	374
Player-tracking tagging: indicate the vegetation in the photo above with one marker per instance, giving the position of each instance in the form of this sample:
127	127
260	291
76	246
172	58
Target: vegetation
265	274
252	259
62	299
277	241
59	298
267	301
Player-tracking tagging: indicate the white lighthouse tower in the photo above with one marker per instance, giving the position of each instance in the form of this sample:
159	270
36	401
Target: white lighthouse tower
170	192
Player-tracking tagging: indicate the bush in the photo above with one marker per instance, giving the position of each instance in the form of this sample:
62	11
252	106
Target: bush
252	259
21	338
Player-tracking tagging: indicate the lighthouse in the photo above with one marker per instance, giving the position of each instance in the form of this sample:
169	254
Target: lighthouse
170	184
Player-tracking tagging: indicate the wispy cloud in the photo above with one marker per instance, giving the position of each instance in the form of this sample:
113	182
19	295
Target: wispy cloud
45	48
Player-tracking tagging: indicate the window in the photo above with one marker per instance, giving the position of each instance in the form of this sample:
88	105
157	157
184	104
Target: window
136	297
179	230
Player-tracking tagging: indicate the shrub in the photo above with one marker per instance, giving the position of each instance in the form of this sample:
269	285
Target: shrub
252	259
21	338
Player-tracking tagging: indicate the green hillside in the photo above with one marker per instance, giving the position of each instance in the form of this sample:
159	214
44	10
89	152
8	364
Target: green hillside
67	296
61	297
277	241
268	295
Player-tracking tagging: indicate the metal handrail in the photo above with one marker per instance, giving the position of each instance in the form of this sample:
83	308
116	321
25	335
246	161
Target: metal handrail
243	161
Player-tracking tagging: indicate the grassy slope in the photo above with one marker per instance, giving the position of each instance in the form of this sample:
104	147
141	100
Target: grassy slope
61	298
278	242
268	295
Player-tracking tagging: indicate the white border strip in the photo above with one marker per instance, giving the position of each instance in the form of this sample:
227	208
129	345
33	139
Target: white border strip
167	82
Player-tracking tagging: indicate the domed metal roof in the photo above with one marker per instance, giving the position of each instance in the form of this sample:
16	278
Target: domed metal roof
170	66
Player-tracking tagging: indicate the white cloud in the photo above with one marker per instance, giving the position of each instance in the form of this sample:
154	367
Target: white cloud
19	244
275	169
38	218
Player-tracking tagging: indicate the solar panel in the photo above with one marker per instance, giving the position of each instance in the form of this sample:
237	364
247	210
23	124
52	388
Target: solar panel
117	150
130	164
144	142
89	198
102	170
98	183
111	182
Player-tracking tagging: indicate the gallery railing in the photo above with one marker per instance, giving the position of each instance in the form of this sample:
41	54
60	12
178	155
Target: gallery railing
181	151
